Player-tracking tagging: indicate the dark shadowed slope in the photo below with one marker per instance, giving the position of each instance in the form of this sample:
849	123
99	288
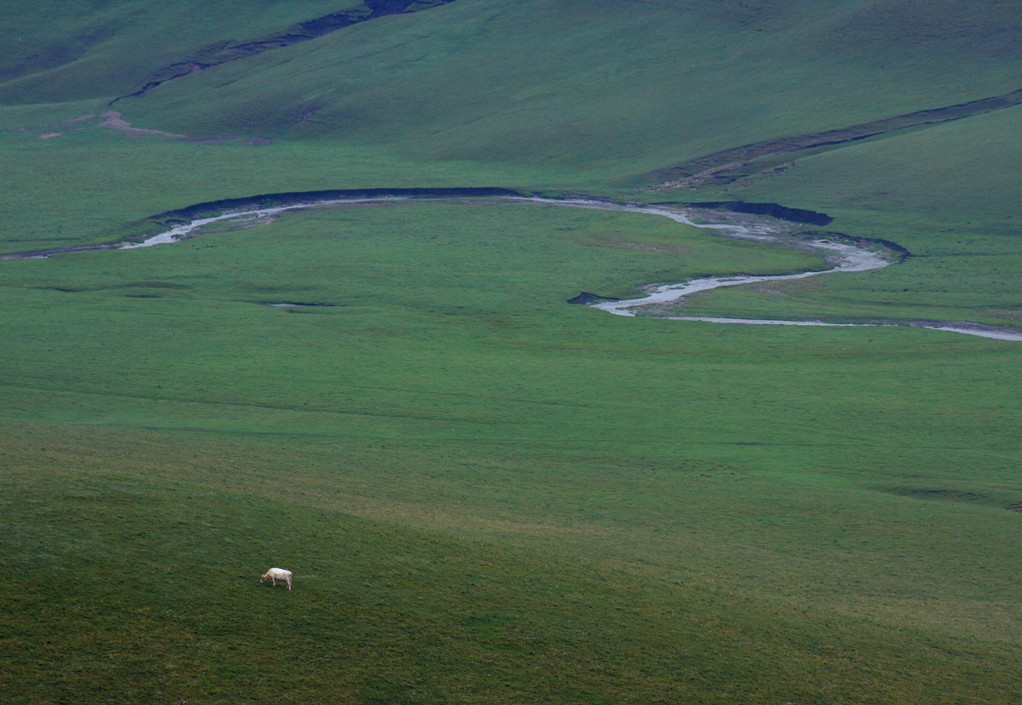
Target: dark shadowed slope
217	54
78	49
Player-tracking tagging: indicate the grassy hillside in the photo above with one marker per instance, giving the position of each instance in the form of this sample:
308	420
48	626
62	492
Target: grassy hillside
487	494
77	49
502	81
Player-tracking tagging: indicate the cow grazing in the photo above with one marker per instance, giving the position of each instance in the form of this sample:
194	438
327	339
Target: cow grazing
276	574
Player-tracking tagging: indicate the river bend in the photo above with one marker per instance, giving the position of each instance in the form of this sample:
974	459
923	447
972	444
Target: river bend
844	257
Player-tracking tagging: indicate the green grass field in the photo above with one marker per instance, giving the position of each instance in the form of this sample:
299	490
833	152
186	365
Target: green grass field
488	495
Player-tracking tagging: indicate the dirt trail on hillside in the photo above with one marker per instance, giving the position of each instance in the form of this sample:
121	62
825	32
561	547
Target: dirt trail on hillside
113	120
735	163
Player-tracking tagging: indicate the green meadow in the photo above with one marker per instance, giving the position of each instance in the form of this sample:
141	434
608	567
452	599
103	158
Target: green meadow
488	495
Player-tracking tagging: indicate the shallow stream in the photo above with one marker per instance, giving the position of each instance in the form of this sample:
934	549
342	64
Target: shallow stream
844	257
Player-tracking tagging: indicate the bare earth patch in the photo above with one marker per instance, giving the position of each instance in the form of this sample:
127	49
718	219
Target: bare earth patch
113	120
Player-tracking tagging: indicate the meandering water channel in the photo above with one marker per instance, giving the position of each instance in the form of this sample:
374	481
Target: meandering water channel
844	258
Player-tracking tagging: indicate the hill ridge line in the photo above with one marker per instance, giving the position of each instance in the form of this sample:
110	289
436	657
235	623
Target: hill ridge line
731	164
303	31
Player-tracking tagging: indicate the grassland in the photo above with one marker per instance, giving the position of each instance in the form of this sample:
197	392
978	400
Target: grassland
686	510
486	494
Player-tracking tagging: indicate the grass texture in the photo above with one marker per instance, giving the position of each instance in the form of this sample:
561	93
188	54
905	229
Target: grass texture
486	494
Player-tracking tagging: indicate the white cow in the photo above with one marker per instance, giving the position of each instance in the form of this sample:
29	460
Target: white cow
276	574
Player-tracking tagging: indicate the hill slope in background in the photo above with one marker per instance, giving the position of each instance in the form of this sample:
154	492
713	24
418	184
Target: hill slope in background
637	86
93	49
552	81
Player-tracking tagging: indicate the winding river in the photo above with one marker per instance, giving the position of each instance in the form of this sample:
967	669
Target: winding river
844	258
